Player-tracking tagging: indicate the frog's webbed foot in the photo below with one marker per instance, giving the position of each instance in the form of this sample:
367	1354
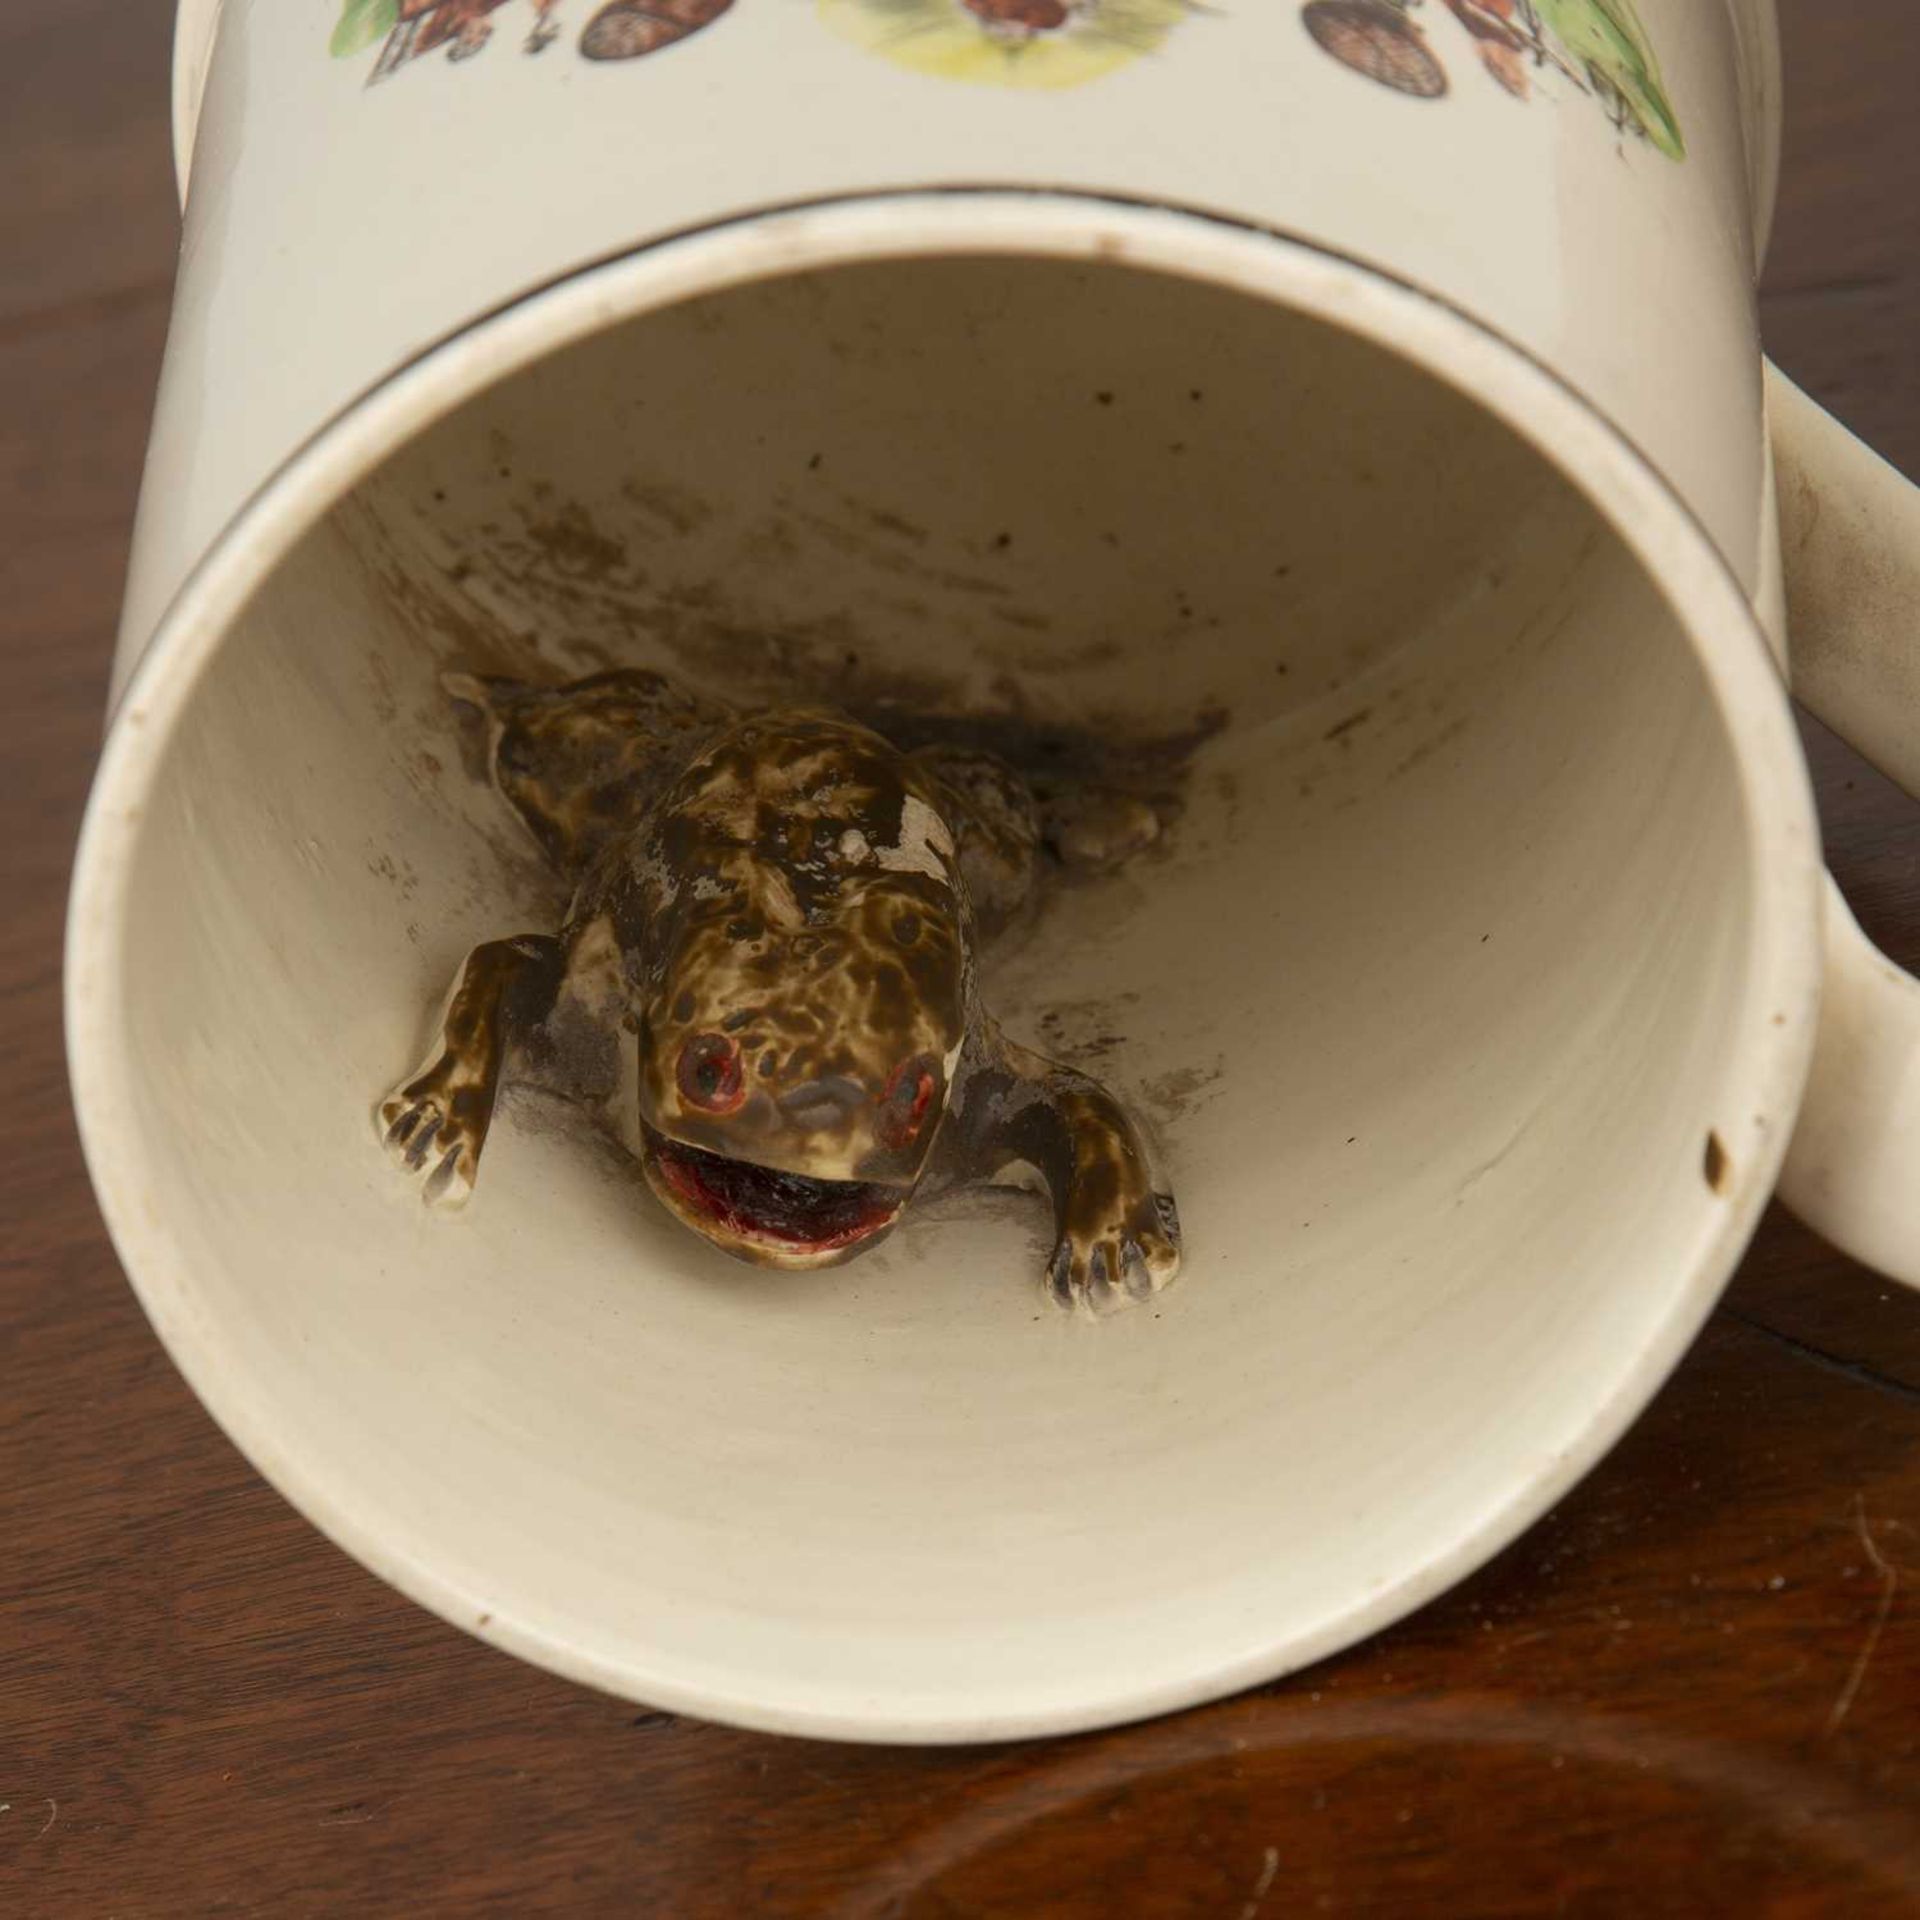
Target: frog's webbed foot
430	1127
434	1124
1127	1253
1118	1234
1116	1229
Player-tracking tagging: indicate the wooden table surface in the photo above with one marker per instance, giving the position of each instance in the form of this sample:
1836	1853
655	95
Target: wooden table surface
1694	1689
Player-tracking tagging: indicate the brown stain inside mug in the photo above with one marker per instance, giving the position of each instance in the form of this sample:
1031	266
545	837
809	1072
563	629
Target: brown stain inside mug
550	569
1718	1166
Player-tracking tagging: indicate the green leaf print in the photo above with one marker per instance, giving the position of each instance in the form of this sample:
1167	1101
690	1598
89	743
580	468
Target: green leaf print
1606	36
362	22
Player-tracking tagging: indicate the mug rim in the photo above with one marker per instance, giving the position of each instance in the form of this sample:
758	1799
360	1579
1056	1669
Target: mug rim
1618	481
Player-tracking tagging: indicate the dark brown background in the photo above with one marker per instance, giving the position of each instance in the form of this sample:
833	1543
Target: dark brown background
1696	1688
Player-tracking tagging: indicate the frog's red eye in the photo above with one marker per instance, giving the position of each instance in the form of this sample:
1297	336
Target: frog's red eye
709	1073
913	1091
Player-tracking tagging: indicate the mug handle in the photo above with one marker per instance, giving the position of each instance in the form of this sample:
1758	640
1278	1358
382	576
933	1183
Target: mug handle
1850	550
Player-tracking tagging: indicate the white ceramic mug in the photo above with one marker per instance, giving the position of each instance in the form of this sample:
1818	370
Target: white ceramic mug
1132	365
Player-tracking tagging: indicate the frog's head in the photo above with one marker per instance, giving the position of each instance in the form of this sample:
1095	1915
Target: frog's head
809	990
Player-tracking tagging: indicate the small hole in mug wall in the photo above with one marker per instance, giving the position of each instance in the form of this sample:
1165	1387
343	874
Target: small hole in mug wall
1719	1165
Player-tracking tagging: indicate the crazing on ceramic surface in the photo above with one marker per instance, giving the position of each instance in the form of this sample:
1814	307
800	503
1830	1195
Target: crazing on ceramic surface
781	910
1599	47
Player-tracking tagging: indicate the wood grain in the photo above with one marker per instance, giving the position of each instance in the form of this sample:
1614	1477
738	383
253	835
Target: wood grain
1695	1689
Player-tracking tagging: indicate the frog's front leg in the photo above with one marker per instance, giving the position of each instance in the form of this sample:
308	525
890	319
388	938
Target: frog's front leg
436	1123
1116	1231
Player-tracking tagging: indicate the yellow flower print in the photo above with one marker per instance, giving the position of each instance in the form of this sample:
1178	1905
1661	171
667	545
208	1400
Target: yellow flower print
1038	44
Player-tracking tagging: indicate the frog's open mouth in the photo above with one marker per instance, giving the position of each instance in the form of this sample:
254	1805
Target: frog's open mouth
784	1219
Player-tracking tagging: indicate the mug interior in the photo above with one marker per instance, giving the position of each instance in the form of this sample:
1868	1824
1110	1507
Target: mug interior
1437	995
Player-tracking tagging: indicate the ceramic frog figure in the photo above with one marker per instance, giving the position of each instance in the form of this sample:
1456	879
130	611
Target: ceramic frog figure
782	910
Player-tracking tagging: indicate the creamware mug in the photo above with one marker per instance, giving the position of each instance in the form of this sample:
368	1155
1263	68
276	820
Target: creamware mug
1365	393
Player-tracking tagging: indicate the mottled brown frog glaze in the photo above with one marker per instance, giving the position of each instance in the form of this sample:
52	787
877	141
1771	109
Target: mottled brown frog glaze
781	909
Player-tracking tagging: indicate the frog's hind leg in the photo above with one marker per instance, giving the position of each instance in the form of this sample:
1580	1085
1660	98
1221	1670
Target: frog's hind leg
435	1124
580	762
1001	823
1015	1114
996	828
